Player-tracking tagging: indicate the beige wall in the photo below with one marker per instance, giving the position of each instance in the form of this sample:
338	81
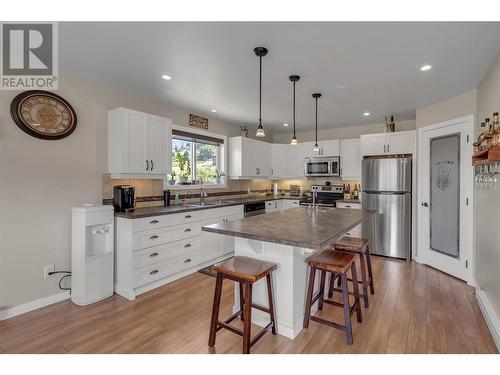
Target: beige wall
342	133
41	180
449	109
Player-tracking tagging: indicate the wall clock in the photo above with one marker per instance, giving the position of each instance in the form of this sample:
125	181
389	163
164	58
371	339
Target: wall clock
43	114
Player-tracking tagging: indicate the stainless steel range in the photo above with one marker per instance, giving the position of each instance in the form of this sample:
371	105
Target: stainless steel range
326	195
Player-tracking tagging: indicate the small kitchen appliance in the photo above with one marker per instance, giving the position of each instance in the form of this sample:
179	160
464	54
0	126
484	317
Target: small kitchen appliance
124	198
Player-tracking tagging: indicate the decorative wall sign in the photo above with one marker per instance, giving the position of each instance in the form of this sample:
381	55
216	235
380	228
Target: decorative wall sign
43	114
198	121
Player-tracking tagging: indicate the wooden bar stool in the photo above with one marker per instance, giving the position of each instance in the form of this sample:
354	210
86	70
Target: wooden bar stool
357	246
338	263
245	271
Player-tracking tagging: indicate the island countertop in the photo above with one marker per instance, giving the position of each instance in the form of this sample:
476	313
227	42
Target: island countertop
299	227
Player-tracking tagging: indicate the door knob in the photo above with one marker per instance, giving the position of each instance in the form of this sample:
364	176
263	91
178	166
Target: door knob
425	204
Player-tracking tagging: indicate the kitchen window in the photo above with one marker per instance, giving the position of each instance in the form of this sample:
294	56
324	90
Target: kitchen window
196	159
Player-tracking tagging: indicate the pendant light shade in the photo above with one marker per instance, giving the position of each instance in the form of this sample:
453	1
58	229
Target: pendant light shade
294	79
260	52
316	96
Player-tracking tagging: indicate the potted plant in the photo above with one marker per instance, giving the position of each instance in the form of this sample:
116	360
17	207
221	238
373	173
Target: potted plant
184	166
219	176
171	181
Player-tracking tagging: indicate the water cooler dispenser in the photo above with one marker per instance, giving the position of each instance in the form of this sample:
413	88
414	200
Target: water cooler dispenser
92	253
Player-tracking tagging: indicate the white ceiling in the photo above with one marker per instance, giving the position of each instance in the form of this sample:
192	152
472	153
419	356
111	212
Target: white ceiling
357	67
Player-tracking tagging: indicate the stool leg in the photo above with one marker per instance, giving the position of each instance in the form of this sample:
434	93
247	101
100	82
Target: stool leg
363	278
356	292
215	310
347	313
271	304
247	322
242	297
370	274
309	296
321	290
339	282
331	285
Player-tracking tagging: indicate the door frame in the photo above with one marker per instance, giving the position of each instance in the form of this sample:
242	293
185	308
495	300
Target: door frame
466	192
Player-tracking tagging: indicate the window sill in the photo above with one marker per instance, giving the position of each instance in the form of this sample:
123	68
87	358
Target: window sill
194	187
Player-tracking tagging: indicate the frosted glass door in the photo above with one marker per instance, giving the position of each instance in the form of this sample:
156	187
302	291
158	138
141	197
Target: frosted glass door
445	195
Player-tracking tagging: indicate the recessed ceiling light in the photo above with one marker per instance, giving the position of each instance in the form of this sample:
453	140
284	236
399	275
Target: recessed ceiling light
366	114
213	110
285	125
425	67
167	77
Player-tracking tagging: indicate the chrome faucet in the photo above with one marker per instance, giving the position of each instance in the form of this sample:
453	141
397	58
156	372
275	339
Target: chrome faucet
187	196
314	192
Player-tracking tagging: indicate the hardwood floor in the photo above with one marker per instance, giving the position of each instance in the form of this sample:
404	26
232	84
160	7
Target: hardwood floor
416	309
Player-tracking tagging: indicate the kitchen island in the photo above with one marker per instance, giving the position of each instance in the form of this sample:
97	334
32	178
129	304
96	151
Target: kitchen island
288	238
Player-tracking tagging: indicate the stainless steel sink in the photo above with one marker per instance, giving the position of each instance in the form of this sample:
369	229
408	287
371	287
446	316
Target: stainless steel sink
210	203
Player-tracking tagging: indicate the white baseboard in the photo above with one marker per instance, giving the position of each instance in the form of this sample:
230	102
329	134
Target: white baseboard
492	319
33	305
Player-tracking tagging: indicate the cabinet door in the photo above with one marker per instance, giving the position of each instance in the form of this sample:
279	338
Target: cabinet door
248	157
263	155
308	150
212	243
350	158
136	137
160	145
401	142
279	160
329	148
228	241
373	144
296	160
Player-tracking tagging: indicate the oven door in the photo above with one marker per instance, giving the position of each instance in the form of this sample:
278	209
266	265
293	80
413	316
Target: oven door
317	167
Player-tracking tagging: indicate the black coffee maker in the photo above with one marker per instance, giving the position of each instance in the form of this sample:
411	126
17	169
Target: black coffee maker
124	198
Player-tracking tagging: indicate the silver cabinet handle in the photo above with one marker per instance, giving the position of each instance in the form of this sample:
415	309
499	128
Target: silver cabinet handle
147	165
187	230
187	260
187	217
388	148
153	237
347	206
154	222
272	171
187	245
151	164
425	204
153	272
152	255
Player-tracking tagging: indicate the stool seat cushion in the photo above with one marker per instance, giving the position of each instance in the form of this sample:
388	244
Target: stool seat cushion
352	244
245	268
332	261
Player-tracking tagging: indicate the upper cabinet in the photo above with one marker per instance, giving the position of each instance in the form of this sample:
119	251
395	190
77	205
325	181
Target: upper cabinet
350	159
326	148
139	144
249	158
388	143
279	160
295	156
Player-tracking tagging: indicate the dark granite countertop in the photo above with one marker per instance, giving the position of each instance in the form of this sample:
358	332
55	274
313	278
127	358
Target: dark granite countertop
173	209
300	227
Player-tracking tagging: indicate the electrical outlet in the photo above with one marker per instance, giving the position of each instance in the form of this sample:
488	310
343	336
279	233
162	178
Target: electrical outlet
48	268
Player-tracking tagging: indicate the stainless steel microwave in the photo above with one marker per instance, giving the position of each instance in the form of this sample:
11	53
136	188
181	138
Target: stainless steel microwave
323	166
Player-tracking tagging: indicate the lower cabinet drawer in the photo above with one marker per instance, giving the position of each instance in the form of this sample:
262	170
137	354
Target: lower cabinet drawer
166	235
160	253
157	271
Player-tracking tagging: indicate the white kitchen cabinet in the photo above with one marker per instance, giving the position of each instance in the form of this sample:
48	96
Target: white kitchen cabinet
249	158
228	241
138	144
289	203
357	230
279	160
295	160
273	206
388	143
212	242
326	148
350	159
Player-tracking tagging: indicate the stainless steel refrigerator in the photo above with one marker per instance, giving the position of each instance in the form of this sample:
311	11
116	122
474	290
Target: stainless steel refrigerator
386	188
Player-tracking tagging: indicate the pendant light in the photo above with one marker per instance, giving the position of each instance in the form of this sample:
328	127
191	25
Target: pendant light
260	51
294	79
316	96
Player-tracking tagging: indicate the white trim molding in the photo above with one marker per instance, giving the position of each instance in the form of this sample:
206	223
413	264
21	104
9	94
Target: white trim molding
490	316
33	305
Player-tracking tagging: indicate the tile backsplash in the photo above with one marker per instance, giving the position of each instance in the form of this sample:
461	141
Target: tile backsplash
150	192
